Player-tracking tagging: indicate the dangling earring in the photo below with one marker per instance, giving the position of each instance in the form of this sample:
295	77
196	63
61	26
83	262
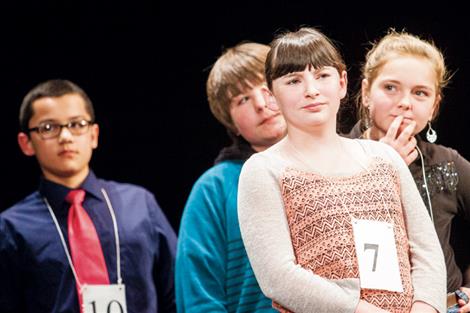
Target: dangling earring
366	119
367	123
431	134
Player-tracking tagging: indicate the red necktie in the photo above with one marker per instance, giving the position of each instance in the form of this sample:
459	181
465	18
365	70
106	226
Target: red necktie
85	247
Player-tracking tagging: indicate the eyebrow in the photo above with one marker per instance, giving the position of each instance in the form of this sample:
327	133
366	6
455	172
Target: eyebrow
399	83
425	87
291	74
51	120
312	69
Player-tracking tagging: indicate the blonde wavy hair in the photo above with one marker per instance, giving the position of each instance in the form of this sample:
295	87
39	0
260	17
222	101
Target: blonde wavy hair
398	44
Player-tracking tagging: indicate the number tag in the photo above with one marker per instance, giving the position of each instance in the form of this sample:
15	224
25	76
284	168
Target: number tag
104	299
377	255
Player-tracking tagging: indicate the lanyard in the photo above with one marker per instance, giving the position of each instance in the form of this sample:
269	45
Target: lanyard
425	184
116	236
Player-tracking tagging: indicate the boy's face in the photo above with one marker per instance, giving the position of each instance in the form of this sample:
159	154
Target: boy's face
256	119
65	157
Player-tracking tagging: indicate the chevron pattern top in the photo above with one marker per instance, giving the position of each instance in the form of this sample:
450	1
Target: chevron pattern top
319	212
296	227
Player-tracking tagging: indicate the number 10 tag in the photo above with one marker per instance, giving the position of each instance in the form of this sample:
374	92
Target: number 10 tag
377	255
104	299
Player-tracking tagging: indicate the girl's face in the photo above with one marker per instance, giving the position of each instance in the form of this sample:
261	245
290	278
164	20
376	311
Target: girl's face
310	98
404	86
255	119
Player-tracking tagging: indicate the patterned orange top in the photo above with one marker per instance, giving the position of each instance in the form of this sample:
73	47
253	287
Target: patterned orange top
319	210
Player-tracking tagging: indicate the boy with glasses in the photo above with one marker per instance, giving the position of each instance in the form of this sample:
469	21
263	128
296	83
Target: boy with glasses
79	243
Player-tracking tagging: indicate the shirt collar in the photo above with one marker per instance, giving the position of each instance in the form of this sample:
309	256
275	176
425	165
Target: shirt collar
92	186
56	193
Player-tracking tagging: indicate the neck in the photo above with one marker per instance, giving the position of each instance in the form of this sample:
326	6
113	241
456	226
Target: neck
373	133
259	148
309	141
320	154
72	182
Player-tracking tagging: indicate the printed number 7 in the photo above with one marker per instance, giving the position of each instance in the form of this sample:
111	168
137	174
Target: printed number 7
375	247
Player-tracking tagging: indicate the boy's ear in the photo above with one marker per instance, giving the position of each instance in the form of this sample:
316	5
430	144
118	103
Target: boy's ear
344	84
25	144
95	131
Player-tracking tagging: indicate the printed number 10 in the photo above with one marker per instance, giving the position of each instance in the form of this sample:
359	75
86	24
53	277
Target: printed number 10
110	304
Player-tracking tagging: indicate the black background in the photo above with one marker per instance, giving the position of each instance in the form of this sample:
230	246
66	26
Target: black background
144	64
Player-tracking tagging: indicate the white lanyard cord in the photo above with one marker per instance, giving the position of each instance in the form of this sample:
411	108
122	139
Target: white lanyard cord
116	236
425	184
63	243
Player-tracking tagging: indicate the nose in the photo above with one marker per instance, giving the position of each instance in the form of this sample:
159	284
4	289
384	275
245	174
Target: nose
269	99
259	100
405	102
65	135
311	89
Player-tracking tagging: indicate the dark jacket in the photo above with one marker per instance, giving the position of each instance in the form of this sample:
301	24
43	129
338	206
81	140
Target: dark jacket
448	179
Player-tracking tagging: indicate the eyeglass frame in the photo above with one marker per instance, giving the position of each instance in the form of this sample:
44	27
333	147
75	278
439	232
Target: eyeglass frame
68	125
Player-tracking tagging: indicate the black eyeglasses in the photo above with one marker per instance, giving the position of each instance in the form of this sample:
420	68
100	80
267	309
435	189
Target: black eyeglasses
48	130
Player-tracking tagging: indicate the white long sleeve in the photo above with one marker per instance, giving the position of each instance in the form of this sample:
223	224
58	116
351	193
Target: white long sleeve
266	236
267	241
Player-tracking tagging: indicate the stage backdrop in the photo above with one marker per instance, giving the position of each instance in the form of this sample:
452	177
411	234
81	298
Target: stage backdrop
144	64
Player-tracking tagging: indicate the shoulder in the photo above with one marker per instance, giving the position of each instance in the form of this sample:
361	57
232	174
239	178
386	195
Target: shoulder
263	169
130	195
269	158
438	153
123	188
26	206
377	148
212	198
384	153
222	171
140	201
223	175
24	216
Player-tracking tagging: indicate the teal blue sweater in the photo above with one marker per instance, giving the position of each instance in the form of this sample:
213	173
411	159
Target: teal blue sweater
212	269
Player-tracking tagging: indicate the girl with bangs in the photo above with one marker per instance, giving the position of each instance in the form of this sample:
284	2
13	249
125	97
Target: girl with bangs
332	224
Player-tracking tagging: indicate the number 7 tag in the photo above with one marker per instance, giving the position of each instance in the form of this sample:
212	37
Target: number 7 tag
377	255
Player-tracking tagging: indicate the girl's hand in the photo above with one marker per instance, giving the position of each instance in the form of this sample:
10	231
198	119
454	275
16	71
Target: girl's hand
464	307
404	143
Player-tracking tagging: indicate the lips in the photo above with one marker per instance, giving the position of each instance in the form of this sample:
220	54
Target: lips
312	106
67	153
269	119
406	119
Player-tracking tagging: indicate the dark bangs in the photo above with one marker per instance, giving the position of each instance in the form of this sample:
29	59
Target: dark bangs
295	51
